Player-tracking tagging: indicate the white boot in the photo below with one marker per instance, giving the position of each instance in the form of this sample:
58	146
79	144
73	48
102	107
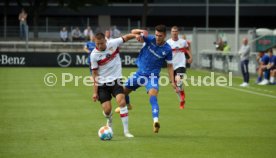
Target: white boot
264	82
244	84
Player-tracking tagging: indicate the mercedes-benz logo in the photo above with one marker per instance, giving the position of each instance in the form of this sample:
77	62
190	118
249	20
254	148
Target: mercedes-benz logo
64	59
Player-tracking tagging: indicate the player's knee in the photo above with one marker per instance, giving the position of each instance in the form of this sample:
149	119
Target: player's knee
107	111
153	92
120	98
107	108
122	102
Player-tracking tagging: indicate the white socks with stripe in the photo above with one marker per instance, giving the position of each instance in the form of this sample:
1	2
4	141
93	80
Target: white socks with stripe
124	118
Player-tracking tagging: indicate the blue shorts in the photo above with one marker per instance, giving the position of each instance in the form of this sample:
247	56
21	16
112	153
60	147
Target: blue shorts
137	80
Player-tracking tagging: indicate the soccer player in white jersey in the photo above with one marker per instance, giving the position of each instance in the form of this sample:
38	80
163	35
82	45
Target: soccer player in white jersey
107	73
108	35
179	47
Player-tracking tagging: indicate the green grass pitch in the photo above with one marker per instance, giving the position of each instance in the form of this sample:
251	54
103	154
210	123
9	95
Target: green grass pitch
62	121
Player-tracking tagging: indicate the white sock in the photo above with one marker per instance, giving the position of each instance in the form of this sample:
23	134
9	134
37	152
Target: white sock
155	119
109	119
124	118
271	79
179	87
107	116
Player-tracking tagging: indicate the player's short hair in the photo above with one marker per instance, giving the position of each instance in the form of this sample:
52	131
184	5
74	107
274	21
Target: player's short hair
175	27
99	36
160	28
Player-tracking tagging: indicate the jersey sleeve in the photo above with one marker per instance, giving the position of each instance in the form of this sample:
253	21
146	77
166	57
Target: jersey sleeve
185	43
169	57
262	59
85	45
94	63
274	61
265	59
117	41
148	38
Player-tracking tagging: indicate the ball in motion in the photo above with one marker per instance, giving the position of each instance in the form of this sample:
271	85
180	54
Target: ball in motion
105	133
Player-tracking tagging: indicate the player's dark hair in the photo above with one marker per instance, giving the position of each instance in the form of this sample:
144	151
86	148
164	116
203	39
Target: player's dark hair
160	28
100	36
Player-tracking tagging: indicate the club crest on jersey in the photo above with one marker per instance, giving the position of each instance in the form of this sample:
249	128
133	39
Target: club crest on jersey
108	56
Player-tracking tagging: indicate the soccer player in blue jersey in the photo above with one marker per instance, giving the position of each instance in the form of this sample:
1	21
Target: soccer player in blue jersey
263	61
271	66
88	48
149	62
273	71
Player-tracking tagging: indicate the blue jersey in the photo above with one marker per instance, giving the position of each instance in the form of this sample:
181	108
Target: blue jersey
272	60
265	59
152	56
90	46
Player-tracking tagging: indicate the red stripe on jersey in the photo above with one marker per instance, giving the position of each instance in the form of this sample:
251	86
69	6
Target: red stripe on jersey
108	59
183	50
124	115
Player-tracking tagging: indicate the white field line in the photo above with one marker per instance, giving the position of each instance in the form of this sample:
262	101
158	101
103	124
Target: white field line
238	89
253	88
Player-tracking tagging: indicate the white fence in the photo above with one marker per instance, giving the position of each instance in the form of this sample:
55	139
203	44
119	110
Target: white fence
217	61
205	54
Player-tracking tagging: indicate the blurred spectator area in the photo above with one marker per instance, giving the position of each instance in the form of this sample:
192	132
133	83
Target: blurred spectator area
52	46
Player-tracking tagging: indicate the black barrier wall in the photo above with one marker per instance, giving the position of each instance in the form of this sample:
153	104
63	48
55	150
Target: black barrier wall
18	59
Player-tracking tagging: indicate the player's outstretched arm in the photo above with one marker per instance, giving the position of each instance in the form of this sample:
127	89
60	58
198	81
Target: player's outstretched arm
128	37
95	75
85	49
137	31
190	60
140	32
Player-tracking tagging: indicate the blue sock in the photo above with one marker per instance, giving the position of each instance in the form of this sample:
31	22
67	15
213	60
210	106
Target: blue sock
259	79
154	106
266	74
127	99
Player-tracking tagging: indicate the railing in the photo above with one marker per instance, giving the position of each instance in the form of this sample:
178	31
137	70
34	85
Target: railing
52	32
49	46
225	62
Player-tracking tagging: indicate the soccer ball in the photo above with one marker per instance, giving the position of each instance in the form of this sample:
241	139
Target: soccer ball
105	133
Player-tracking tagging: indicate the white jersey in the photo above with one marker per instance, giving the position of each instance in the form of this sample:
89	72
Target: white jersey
107	62
179	48
108	39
